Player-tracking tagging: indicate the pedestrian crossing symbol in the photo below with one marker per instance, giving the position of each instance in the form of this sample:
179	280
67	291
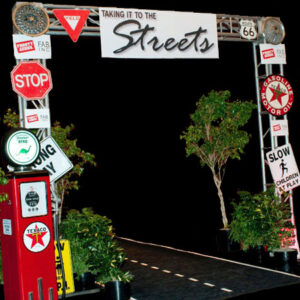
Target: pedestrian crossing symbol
283	168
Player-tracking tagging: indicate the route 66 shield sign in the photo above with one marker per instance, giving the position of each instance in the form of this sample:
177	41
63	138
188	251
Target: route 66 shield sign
248	30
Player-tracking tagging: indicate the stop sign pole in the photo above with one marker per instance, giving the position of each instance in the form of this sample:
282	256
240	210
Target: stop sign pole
31	80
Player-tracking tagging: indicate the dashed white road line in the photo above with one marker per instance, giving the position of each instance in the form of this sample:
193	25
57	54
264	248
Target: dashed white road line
193	279
226	290
209	284
177	275
134	261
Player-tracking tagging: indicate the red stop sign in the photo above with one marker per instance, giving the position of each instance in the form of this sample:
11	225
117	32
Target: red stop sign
31	80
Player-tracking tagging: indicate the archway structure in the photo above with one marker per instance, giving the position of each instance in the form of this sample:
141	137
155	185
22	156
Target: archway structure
230	28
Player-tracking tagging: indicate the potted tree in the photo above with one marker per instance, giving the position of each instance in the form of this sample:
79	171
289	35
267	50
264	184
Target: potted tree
95	250
261	222
215	136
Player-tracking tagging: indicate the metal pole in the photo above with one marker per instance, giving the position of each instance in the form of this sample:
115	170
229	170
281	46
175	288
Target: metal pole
260	128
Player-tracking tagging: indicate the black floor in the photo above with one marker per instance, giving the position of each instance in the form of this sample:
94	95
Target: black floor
165	273
162	273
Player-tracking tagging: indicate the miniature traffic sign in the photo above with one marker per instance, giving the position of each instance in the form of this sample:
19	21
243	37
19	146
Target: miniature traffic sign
52	159
277	95
72	20
31	80
283	168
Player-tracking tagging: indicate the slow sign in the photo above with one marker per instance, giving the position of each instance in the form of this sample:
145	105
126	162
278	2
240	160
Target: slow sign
283	168
31	80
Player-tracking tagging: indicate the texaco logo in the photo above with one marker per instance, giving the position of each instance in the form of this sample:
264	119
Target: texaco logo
36	237
277	95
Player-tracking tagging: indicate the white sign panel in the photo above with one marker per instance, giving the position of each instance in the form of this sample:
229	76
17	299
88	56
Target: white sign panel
52	159
272	54
248	30
283	168
27	47
6	226
279	128
37	118
134	33
33	199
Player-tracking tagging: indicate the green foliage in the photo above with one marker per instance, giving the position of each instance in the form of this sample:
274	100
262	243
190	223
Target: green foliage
3	181
11	119
79	157
259	220
215	134
94	248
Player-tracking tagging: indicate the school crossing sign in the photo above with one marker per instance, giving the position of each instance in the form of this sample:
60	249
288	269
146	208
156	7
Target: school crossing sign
283	168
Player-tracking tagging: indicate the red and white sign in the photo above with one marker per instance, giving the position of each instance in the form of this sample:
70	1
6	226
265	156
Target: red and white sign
279	128
72	20
36	237
277	95
31	80
272	54
37	118
35	47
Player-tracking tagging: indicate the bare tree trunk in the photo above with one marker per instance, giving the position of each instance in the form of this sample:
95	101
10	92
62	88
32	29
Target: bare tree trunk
218	183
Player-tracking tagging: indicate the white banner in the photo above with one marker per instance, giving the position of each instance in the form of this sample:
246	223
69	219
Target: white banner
28	47
272	54
283	168
37	118
279	128
134	33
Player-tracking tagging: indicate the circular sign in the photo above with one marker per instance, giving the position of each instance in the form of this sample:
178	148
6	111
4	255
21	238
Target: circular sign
31	80
30	19
21	148
32	199
277	95
273	30
36	237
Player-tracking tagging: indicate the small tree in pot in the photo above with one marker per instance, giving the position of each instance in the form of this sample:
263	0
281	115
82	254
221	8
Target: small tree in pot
215	135
261	220
93	246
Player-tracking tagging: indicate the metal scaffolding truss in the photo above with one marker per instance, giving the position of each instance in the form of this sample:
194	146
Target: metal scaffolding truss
228	29
228	26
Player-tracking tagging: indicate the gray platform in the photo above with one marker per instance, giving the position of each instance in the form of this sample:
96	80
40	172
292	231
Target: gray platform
167	273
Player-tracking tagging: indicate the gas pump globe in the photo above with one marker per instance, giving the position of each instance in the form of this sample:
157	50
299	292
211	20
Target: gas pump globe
21	148
27	239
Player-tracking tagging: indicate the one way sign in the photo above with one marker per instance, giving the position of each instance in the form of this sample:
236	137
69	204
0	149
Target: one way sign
283	167
52	159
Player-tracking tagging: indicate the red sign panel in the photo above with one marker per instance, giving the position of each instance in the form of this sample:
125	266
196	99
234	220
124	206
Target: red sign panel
31	80
277	95
72	20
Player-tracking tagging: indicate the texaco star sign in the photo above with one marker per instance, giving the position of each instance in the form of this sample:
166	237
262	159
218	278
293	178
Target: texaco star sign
277	95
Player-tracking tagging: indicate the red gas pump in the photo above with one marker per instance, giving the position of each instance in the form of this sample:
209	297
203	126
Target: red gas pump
27	239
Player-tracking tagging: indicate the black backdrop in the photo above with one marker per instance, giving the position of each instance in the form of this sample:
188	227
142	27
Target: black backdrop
130	114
